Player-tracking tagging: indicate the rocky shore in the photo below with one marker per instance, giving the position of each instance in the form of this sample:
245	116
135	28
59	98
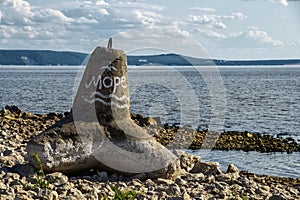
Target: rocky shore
194	179
227	140
232	140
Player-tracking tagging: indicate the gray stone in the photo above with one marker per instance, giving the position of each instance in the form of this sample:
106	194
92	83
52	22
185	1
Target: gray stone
103	176
24	170
210	179
223	178
173	190
207	168
164	182
151	121
175	198
187	160
2	186
158	120
136	182
99	132
232	169
142	197
53	195
57	179
7	153
277	197
114	177
171	171
140	176
180	181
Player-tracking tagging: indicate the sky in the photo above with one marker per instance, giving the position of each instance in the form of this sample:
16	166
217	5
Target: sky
224	29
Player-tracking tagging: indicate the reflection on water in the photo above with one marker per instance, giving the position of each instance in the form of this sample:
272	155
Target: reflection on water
259	99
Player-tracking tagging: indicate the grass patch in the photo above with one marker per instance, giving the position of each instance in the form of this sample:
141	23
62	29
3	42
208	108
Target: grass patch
42	182
125	195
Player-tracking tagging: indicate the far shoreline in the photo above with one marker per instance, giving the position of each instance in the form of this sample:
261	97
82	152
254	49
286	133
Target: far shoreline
47	57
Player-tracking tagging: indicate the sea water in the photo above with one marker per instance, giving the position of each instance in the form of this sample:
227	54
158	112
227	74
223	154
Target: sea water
258	99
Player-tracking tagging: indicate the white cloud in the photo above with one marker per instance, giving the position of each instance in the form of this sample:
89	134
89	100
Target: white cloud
104	11
31	31
284	2
215	21
48	14
210	20
295	43
253	36
137	5
147	17
157	39
203	9
81	24
6	33
15	12
101	3
88	3
237	15
211	34
84	20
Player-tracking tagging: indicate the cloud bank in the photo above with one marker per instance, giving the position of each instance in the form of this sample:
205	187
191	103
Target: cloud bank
81	25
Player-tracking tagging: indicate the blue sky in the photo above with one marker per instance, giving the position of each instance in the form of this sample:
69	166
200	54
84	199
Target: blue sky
230	29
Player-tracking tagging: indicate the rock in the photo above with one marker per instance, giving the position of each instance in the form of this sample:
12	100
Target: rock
143	121
223	178
2	186
151	121
99	132
76	194
173	190
232	169
137	183
140	176
60	149
277	197
165	182
207	168
4	112
7	153
23	170
11	110
103	176
27	115
53	195
180	181
114	177
142	197
209	179
158	120
187	160
57	179
171	171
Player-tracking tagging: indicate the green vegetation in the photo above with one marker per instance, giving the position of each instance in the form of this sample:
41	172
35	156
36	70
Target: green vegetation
235	192
42	182
125	195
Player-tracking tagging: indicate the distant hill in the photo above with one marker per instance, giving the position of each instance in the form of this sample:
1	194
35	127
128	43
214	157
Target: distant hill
46	57
40	57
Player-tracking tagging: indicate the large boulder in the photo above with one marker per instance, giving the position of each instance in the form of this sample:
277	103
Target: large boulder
99	132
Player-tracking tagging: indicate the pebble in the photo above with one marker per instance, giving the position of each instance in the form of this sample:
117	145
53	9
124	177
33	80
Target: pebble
201	180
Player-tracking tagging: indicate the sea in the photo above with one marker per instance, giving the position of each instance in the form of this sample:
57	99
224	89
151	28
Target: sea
258	99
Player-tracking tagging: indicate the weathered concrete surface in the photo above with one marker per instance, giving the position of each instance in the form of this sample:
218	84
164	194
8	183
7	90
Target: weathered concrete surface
99	133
